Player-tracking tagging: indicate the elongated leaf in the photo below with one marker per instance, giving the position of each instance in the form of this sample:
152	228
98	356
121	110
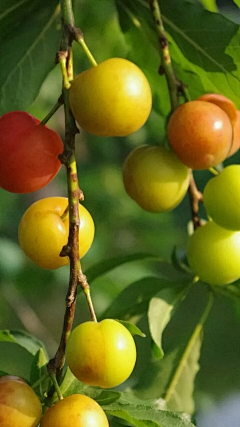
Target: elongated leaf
38	371
133	329
207	61
134	299
22	338
15	360
71	385
105	266
143	416
160	310
29	40
172	378
210	5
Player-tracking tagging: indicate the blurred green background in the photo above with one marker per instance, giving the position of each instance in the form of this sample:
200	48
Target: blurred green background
34	299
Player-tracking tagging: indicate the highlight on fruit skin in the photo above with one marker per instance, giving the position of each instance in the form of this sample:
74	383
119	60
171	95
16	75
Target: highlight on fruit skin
200	134
112	99
101	353
234	115
155	178
76	410
19	405
213	253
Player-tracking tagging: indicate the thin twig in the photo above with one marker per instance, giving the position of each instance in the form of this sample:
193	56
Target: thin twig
176	89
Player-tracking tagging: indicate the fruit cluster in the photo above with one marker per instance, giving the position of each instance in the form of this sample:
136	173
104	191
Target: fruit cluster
202	134
102	354
98	353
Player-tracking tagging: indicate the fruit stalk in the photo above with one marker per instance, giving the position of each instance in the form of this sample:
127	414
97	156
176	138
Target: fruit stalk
175	88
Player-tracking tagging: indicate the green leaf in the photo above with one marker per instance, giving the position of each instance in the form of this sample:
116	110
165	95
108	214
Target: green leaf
29	36
160	311
134	299
22	338
210	5
71	385
105	266
133	329
144	416
179	259
15	360
39	370
172	378
207	61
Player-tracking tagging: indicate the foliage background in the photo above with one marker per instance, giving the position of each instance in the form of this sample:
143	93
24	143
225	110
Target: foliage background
33	299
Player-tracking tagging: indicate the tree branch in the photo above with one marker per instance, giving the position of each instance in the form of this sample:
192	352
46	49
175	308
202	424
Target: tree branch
175	88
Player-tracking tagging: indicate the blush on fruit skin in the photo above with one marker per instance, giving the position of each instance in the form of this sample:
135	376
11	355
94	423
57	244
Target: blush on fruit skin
101	354
155	178
28	153
112	99
201	134
76	410
19	405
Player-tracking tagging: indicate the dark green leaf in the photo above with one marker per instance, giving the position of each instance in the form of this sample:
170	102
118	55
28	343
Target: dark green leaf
71	385
38	370
105	266
172	378
133	329
144	416
22	338
207	61
135	298
15	360
29	39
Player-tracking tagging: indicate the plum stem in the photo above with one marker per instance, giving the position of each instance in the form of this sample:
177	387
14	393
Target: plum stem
176	88
68	158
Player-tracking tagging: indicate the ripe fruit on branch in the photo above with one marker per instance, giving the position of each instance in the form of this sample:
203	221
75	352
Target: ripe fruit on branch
201	134
43	233
221	198
76	410
234	115
101	354
112	99
213	254
28	153
19	405
155	178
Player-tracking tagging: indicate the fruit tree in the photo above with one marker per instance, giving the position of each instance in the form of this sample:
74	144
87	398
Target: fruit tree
119	213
